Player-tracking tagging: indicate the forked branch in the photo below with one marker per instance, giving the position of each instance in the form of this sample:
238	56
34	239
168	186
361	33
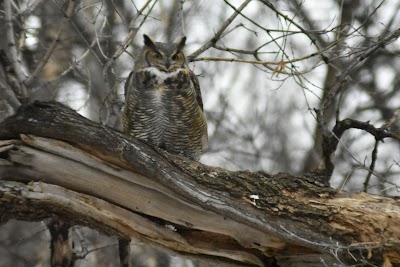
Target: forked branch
331	139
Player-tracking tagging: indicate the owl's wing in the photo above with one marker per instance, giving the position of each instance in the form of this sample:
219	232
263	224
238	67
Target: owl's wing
128	83
196	84
129	88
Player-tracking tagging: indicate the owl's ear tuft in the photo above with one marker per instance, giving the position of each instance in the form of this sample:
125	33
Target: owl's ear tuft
148	41
181	43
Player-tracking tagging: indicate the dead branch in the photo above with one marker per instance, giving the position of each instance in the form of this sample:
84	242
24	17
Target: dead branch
122	186
331	139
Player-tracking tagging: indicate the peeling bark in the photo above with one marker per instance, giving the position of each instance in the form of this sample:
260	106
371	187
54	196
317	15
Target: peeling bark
121	186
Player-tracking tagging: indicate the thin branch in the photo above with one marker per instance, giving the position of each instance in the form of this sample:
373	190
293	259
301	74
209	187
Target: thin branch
343	77
255	61
13	49
298	6
265	63
131	34
236	60
78	26
67	16
218	34
281	70
267	3
239	51
85	251
73	66
372	166
282	49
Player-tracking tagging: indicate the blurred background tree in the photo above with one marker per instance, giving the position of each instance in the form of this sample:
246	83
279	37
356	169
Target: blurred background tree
263	66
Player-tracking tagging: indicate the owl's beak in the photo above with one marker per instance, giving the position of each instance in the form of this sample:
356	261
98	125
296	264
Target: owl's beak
167	64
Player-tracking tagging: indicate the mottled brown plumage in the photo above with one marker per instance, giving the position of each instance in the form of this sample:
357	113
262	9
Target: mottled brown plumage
163	100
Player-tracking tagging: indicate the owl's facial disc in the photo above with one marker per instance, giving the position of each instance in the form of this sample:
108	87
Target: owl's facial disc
166	57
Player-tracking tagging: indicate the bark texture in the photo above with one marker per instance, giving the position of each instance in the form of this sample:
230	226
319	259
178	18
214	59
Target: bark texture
95	176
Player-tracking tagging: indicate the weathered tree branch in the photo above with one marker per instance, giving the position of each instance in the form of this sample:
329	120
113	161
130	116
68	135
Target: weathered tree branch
121	186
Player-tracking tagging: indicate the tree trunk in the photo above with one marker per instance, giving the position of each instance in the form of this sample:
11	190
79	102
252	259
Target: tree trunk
92	175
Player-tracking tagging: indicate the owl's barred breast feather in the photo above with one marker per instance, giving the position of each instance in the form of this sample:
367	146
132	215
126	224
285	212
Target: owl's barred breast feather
163	108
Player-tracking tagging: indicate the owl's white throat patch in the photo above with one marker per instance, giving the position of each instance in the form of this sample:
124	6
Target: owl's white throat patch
161	75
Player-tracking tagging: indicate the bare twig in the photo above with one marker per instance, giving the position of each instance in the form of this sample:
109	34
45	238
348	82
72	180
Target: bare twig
76	62
236	60
280	64
85	251
343	77
82	242
267	3
298	7
218	34
266	63
255	61
50	51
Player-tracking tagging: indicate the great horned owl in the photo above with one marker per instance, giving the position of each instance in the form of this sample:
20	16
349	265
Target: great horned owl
163	103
